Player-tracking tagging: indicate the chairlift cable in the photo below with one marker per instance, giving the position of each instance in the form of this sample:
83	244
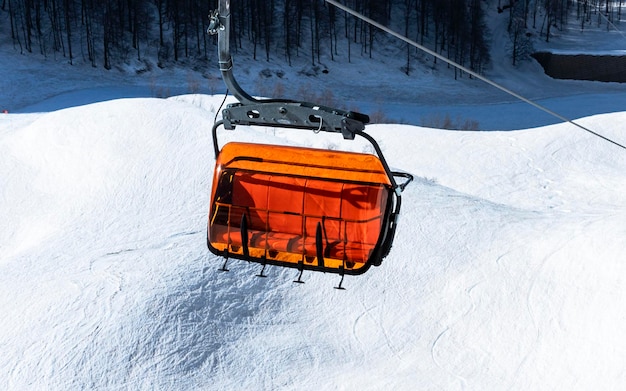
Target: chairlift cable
467	70
605	17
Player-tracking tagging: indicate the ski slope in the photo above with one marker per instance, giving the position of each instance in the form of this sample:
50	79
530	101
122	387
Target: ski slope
507	271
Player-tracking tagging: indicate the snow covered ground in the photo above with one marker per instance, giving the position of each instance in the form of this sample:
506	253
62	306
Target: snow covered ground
507	271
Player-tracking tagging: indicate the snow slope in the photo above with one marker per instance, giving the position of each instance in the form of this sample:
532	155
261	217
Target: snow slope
507	272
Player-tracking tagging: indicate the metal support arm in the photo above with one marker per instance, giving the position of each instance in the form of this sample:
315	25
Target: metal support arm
274	112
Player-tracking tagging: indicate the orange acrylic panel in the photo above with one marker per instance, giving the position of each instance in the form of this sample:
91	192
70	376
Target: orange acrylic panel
298	207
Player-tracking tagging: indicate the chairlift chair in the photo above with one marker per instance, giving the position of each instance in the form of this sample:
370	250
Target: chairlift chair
304	208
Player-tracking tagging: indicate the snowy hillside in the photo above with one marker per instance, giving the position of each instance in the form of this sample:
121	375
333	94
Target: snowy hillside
375	85
507	272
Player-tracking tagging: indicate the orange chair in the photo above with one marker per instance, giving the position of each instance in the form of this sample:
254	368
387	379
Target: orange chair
300	207
305	208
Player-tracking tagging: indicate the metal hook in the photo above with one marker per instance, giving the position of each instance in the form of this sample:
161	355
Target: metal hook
320	128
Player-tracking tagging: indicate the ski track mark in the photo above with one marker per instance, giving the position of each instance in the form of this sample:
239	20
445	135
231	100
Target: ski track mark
433	354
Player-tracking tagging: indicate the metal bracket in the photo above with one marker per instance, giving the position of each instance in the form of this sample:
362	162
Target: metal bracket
294	115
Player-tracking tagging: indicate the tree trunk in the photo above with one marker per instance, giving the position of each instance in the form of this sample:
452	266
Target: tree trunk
68	28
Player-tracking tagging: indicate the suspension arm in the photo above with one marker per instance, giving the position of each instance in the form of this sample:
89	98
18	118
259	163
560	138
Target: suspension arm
274	112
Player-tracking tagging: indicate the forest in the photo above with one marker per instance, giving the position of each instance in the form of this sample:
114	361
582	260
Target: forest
111	32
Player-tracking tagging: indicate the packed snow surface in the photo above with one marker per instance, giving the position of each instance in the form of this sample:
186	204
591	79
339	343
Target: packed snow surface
507	271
